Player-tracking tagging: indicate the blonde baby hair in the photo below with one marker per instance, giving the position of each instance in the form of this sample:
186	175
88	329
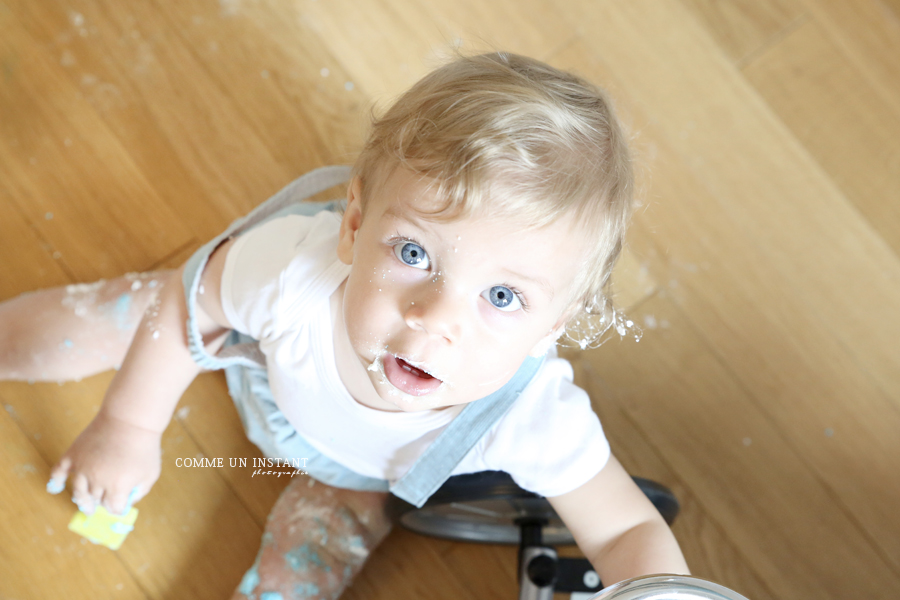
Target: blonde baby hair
505	134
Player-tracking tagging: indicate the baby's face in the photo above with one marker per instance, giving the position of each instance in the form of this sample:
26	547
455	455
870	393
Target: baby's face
438	313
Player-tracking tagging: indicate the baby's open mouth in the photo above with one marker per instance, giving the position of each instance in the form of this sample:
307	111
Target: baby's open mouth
407	378
417	372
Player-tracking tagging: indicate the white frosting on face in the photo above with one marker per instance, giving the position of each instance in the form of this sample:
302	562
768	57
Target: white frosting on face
377	366
438	319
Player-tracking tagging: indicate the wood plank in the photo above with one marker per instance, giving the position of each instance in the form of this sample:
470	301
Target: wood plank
404	40
632	281
485	570
894	6
69	177
138	52
761	246
193	537
707	545
744	472
40	558
507	25
743	27
407	567
34	265
841	120
102	70
868	33
273	74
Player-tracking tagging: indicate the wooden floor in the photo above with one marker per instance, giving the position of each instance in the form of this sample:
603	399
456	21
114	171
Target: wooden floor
763	265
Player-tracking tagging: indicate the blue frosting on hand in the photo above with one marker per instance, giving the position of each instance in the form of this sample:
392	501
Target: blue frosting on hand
131	496
86	509
121	528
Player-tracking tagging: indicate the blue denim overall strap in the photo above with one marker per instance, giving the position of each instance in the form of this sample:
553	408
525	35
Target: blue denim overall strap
290	198
434	466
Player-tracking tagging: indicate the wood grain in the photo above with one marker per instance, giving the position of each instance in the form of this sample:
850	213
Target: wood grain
762	265
52	178
743	27
39	556
817	91
754	220
187	504
706	542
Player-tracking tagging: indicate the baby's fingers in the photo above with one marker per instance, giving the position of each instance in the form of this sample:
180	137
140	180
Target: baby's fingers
58	476
84	495
119	503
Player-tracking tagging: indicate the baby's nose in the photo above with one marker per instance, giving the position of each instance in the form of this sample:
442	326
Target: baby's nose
436	313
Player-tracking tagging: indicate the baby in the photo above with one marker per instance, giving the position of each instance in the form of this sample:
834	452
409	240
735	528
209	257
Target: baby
402	338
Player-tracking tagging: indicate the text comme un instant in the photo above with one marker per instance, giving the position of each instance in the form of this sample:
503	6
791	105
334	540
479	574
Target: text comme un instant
298	464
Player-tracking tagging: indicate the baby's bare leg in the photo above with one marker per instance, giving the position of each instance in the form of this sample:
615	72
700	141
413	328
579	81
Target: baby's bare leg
73	331
316	540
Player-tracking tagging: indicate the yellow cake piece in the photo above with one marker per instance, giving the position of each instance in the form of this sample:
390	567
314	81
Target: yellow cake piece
103	527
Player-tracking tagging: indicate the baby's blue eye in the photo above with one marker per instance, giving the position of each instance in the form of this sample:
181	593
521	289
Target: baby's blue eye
412	254
502	298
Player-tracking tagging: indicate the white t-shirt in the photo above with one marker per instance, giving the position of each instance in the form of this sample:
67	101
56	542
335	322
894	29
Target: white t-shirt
276	286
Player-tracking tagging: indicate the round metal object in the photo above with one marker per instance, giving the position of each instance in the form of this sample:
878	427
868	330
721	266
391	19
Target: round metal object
667	587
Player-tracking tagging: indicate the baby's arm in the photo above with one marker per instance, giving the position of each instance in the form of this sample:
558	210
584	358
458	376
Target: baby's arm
120	449
617	527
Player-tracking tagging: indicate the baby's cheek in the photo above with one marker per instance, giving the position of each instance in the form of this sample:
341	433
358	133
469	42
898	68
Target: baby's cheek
500	323
489	369
367	313
363	324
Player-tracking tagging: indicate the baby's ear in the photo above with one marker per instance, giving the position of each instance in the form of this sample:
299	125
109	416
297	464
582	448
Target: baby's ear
350	222
547	342
354	190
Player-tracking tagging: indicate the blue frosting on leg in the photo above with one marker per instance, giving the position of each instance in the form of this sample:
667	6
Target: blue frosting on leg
299	559
123	306
306	590
271	596
323	531
250	580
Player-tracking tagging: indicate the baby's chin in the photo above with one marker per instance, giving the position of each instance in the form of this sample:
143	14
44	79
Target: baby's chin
444	397
438	400
409	403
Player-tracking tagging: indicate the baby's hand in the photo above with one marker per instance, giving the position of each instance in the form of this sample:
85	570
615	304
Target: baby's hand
112	463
